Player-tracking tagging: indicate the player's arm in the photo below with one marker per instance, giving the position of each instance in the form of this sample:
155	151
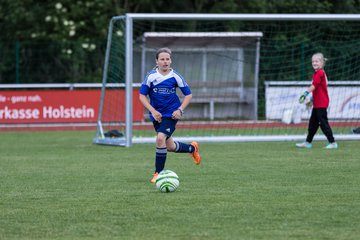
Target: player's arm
177	114
144	100
306	93
185	102
317	78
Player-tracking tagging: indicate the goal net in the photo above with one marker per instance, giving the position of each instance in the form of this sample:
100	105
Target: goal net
246	73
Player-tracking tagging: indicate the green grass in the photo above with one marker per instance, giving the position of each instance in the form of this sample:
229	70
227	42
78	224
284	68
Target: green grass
57	185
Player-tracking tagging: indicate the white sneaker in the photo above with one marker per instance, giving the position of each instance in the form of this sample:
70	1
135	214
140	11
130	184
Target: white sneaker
304	145
332	146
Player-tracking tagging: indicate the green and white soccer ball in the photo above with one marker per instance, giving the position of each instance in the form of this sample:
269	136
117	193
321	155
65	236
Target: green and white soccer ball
167	181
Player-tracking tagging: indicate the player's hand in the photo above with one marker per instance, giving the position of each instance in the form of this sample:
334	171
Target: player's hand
157	116
177	114
303	97
309	103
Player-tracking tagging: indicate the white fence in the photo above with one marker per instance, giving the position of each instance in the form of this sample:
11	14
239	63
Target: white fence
284	95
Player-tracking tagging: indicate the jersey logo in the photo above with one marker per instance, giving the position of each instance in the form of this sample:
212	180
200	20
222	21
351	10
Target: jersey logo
168	129
164	90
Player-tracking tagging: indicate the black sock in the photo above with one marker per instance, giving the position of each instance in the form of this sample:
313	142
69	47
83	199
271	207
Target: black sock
160	159
183	147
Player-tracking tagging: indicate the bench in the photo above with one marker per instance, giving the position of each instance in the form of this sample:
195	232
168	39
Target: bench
212	92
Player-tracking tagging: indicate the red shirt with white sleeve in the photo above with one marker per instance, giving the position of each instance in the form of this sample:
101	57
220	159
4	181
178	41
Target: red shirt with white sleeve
320	94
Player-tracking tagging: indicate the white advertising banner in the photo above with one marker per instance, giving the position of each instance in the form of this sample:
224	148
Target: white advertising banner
344	102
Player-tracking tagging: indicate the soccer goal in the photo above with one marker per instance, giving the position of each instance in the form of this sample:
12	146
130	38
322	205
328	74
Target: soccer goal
246	73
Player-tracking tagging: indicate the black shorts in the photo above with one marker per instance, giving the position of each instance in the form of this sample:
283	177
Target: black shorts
167	126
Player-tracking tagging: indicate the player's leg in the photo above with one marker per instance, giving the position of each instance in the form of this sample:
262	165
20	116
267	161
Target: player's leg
161	151
164	131
180	147
326	129
160	155
312	129
313	125
170	144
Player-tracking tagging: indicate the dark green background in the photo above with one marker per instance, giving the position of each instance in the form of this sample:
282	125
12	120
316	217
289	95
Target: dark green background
34	38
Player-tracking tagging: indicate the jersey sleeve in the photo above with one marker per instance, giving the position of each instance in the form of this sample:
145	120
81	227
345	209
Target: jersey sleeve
318	77
145	86
144	89
185	89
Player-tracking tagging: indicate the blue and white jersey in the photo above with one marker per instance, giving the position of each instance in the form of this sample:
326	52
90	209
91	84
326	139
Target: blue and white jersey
162	91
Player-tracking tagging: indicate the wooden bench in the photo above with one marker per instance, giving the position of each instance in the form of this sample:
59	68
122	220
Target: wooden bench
212	92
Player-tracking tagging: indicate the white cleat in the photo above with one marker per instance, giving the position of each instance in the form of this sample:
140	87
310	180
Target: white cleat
333	145
304	145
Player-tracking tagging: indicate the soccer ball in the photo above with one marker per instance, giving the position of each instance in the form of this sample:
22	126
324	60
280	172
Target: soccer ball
167	181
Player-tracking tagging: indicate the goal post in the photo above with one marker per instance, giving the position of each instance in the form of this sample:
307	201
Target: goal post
221	113
103	117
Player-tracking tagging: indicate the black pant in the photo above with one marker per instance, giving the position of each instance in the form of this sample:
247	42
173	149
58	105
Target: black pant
318	119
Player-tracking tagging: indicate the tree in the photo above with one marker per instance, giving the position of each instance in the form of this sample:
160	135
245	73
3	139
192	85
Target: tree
70	36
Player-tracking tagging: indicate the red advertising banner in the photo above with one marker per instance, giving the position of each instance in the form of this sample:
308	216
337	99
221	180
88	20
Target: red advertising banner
62	106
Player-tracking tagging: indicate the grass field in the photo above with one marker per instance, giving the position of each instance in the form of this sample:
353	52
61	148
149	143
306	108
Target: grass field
57	185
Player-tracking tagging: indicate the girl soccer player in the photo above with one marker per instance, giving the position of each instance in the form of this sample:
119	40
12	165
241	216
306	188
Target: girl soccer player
165	109
321	100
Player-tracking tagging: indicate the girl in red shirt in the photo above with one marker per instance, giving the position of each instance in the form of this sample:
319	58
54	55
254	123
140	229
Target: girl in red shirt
321	101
